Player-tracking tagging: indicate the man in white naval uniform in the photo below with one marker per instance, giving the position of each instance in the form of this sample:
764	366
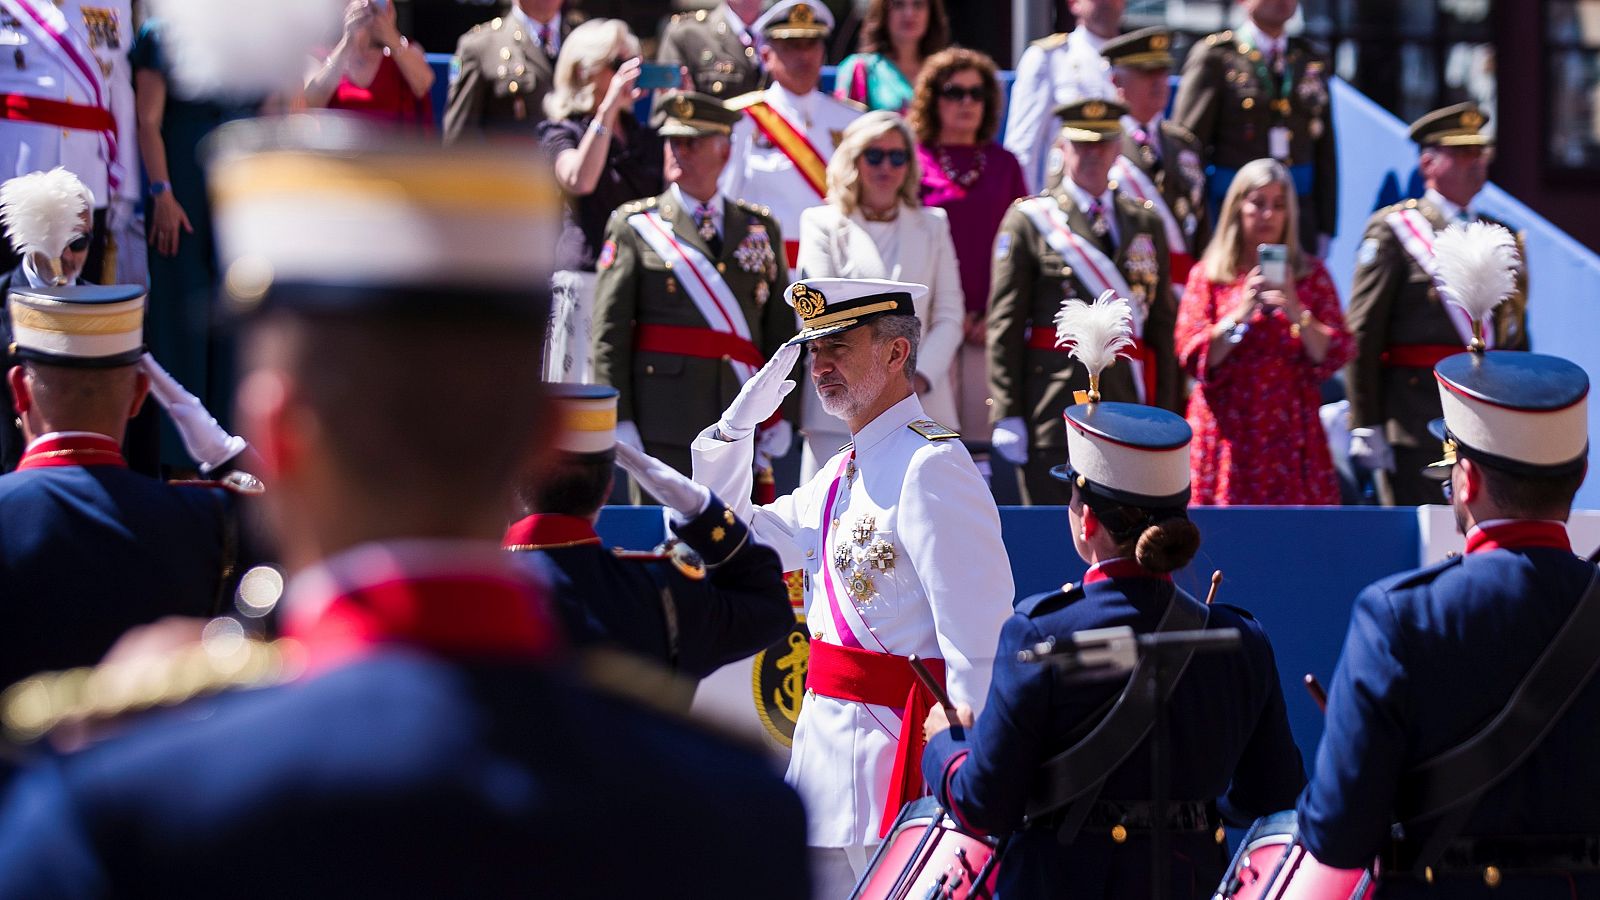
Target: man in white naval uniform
899	542
782	145
68	89
1054	70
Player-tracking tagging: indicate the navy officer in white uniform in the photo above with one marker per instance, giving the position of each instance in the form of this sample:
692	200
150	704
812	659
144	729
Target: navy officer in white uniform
899	541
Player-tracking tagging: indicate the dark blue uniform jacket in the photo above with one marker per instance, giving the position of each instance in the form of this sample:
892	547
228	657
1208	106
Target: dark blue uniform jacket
1230	740
1431	656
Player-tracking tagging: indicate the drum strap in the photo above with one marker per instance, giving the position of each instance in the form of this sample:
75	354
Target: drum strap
1450	785
1073	778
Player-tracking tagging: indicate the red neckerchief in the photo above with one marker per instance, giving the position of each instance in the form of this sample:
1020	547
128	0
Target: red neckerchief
73	450
544	531
466	614
1122	567
1520	534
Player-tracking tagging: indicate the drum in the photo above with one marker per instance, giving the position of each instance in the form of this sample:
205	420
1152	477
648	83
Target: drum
1272	864
927	855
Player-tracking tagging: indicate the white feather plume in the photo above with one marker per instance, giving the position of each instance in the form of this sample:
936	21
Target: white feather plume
43	211
1476	266
1096	333
244	49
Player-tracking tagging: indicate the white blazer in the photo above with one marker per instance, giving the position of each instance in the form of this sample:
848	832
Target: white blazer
833	245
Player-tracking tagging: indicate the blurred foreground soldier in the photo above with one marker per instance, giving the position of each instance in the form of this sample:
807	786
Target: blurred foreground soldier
686	304
1401	324
93	549
718	46
1255	93
1062	68
1494	786
899	542
47	217
1080	240
705	599
1160	158
1129	478
502	71
782	146
434	744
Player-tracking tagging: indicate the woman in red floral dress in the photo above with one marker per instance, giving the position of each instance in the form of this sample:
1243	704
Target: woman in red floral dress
1258	353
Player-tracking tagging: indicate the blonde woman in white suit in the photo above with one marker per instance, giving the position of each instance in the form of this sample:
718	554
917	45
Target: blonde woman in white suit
874	226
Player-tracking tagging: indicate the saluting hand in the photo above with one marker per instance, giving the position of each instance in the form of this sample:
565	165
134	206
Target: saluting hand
760	396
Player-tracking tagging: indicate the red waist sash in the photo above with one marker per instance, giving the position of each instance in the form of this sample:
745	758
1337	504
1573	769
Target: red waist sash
880	679
1180	263
701	343
1045	339
22	108
1418	356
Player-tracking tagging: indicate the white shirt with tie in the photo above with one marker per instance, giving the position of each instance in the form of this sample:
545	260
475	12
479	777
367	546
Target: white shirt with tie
536	30
1085	202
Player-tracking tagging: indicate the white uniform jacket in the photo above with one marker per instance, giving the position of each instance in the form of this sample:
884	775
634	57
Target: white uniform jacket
945	594
1053	70
760	172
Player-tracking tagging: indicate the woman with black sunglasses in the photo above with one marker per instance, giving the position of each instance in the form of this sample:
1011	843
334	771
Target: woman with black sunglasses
966	173
875	227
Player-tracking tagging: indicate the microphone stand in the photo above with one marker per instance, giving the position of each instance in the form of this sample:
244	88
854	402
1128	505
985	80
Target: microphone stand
1103	654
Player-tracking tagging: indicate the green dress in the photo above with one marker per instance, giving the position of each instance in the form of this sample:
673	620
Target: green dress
873	80
181	326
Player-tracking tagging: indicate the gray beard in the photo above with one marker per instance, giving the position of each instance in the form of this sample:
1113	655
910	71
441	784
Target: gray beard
857	396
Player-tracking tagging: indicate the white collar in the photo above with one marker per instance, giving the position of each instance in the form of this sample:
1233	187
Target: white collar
55	435
1082	33
781	96
532	26
888	422
690	204
1083	198
1445	207
1257	39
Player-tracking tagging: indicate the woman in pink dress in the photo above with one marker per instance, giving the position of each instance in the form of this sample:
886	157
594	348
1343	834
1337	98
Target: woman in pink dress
375	71
1259	352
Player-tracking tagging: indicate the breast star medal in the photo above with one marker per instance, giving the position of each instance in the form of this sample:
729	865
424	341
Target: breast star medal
843	558
861	589
880	555
864	529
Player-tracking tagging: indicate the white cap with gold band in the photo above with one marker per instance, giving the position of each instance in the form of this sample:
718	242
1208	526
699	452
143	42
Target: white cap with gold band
87	326
588	417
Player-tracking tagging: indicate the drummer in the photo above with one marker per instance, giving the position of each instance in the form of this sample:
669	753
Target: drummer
1129	477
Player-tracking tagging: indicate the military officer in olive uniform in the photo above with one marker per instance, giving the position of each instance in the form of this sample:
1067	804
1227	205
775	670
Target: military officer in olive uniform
1077	241
719	46
1401	325
1256	93
502	71
1160	158
688	303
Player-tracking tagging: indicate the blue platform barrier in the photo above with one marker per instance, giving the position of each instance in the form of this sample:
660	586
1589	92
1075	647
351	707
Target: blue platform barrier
1296	570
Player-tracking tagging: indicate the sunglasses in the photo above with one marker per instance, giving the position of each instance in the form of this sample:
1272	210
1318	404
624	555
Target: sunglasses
876	155
79	244
956	93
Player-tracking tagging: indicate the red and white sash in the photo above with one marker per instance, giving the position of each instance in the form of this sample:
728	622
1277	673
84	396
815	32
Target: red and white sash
48	26
1416	236
703	283
1092	268
1133	179
852	629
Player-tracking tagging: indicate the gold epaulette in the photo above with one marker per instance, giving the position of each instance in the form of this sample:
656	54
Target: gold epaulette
35	706
932	430
1052	41
1221	37
747	206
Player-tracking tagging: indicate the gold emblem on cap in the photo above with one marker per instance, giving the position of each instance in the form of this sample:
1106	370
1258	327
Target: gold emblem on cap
1160	42
808	301
1472	119
802	15
1094	109
681	107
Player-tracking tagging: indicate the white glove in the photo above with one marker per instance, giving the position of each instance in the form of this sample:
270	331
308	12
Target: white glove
760	396
1370	449
206	442
628	435
1010	440
774	442
685	497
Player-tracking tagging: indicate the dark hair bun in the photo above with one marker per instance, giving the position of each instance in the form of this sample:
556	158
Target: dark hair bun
1168	545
